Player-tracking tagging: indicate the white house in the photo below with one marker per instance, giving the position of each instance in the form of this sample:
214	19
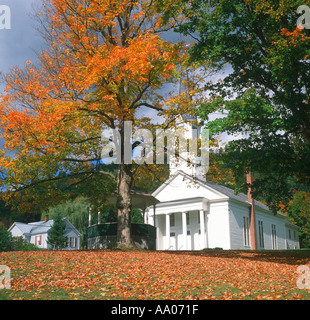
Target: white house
37	233
193	215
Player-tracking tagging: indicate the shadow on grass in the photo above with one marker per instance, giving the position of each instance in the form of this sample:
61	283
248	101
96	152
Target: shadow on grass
292	257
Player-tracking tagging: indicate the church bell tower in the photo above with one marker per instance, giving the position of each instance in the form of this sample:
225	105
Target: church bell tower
189	158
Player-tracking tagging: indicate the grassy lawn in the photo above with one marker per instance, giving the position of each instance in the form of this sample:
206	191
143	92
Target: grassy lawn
155	275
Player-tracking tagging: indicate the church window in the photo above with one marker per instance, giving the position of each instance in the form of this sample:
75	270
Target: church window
246	237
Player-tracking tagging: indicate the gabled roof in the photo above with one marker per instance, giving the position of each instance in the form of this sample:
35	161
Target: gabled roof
231	194
24	227
196	182
39	227
222	190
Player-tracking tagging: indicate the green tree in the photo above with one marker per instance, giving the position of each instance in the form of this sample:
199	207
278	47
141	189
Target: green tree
6	243
8	215
299	213
10	243
56	238
76	211
264	87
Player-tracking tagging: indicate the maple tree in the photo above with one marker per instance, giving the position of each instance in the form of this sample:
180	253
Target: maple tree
263	89
104	65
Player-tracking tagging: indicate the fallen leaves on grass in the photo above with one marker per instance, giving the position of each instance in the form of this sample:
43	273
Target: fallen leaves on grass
152	275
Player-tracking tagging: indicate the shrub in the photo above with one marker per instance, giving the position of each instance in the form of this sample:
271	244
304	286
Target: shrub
6	243
20	244
9	243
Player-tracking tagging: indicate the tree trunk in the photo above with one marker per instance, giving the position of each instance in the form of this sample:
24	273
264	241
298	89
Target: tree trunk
123	205
124	184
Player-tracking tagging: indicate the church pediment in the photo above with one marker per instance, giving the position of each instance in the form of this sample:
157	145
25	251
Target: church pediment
182	186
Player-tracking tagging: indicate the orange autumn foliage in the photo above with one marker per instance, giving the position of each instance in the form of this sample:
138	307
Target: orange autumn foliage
104	64
200	275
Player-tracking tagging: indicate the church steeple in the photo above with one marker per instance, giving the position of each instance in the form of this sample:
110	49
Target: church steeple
189	133
188	159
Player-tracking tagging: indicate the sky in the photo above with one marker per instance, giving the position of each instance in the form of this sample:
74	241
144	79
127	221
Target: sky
22	41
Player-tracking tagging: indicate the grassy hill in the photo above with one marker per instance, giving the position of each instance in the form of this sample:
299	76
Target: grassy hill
214	274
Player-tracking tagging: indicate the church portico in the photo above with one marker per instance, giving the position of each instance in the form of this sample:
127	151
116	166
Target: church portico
181	224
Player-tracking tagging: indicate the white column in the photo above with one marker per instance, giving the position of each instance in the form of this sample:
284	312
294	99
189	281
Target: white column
184	230
143	214
202	229
154	214
99	217
167	231
146	217
89	217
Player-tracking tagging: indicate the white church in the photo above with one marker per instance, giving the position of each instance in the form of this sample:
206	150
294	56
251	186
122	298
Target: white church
189	213
192	214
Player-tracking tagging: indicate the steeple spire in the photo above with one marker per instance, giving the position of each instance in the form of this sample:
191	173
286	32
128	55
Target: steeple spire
187	160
